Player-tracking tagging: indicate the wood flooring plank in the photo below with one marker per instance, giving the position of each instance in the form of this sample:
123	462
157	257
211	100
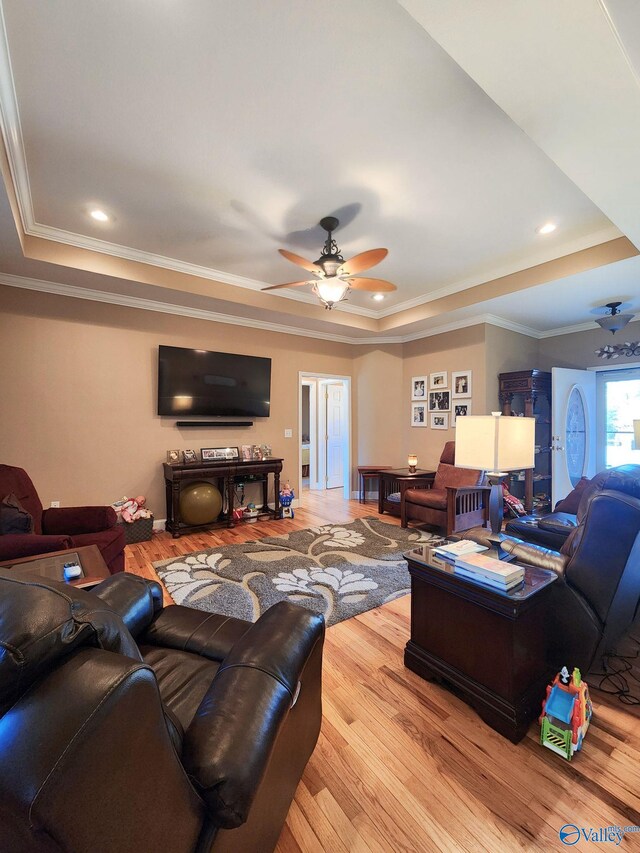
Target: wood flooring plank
403	764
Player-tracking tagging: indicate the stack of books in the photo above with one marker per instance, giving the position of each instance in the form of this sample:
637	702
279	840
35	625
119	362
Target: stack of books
443	555
489	572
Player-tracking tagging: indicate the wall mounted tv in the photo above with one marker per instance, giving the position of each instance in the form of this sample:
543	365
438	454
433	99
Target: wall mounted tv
212	384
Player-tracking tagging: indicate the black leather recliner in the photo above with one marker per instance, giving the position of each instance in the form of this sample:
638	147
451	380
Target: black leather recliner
127	727
552	530
597	595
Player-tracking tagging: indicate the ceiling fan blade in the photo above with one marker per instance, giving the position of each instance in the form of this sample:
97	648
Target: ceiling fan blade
363	261
300	261
376	285
289	284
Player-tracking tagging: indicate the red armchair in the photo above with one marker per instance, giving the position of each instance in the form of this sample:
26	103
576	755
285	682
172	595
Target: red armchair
456	500
59	528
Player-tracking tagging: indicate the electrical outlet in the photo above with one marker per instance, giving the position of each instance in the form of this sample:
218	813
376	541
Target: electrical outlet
288	433
55	504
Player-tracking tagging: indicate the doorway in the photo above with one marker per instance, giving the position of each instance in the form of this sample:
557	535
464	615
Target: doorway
325	432
618	408
573	433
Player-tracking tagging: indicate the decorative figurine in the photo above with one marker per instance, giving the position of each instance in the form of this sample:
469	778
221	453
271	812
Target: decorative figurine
566	712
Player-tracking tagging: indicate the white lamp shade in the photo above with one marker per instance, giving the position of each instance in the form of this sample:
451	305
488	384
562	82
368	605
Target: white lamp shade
493	443
636	433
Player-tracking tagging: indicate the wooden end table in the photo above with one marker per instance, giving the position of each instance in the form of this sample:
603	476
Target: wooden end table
368	472
94	568
490	645
394	480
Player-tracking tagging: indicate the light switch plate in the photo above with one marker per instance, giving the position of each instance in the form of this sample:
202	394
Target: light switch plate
288	433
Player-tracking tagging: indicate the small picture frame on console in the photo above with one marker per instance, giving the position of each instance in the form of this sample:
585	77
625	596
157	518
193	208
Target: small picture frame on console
189	456
247	452
219	454
257	453
173	456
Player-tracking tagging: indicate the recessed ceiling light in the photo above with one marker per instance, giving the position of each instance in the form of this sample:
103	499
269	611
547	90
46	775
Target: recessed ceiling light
378	297
99	215
547	228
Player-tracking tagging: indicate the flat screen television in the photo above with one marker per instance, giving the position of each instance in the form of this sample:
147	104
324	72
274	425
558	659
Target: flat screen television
212	384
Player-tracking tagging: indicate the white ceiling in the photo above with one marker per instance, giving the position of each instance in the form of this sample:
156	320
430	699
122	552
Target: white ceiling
214	133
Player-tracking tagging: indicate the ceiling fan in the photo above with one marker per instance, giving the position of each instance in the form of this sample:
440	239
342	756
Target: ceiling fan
335	277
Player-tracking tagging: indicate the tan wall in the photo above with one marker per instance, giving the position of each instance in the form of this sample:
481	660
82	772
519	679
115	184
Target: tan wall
578	349
463	349
380	405
78	382
506	351
78	402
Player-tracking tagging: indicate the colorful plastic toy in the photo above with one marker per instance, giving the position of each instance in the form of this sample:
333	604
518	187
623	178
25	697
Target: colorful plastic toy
286	497
566	712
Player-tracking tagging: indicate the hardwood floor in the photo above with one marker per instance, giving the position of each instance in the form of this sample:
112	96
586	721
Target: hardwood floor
404	765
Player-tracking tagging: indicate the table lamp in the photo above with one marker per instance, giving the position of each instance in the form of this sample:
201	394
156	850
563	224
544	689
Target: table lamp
497	445
412	462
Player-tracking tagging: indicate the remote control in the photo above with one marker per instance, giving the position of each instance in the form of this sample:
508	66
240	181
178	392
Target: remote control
72	571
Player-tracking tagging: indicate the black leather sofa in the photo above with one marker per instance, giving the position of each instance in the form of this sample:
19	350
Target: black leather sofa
552	530
127	727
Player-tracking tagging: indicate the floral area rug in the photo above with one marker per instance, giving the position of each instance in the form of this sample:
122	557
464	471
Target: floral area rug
338	570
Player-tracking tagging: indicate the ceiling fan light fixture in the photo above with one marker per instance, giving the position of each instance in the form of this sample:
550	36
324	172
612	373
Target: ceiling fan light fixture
614	321
331	291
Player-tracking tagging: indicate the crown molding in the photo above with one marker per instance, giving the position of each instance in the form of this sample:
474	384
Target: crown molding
59	289
619	41
597	238
104	247
68	290
591	326
11	129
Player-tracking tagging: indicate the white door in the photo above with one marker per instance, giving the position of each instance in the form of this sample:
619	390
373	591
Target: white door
335	433
573	428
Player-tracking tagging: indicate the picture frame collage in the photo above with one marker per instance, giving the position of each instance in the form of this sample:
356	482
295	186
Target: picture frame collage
245	453
436	404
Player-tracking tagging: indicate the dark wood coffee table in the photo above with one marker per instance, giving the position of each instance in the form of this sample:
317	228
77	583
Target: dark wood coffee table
491	646
396	480
94	568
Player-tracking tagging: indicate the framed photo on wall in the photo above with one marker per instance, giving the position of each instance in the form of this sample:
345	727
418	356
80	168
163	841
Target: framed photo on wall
439	421
461	408
418	387
439	401
418	415
461	384
438	381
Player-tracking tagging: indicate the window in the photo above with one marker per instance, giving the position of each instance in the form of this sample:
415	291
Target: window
618	407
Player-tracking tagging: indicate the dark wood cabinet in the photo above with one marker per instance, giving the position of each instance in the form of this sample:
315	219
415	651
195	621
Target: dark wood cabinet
490	646
226	474
528	393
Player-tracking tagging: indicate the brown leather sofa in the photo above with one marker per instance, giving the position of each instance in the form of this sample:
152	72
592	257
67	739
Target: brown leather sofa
597	595
457	499
126	727
58	528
